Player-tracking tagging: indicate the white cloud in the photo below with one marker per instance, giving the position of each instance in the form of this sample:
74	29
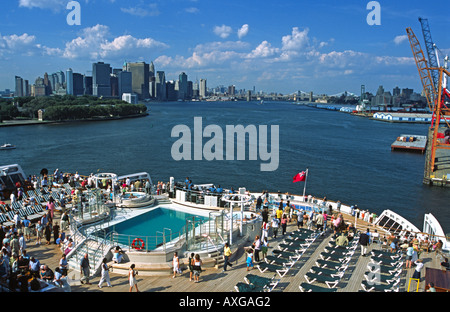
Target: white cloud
264	49
296	41
94	43
142	11
43	4
223	31
399	39
243	31
192	10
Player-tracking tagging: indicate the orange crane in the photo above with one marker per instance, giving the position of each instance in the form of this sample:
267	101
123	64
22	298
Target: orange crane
437	99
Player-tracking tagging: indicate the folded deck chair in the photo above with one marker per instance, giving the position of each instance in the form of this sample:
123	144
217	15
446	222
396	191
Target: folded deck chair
305	287
339	272
279	269
330	281
260	281
368	287
243	287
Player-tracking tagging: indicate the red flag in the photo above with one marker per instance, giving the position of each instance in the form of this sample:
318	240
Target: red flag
300	177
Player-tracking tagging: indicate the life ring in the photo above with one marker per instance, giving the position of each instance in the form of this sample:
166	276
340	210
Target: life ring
138	244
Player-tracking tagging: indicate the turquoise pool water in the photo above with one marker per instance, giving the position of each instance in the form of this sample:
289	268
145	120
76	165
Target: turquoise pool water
150	226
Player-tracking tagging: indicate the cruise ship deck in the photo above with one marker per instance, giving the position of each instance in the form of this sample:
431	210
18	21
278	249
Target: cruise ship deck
214	280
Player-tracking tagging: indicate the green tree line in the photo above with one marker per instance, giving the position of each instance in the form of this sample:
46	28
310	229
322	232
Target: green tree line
67	107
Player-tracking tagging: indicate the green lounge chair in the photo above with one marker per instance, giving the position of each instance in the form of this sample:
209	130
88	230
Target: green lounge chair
279	261
330	272
330	281
261	281
329	264
305	287
279	269
369	287
243	287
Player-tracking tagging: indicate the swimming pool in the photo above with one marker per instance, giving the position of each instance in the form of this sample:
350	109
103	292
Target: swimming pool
153	226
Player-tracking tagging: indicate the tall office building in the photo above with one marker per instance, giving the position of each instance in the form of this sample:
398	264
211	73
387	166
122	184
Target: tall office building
151	81
160	88
78	84
26	88
39	87
182	87
203	89
140	79
101	81
69	78
87	83
125	82
19	86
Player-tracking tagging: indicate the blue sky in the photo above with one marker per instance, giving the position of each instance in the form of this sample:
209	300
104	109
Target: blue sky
280	46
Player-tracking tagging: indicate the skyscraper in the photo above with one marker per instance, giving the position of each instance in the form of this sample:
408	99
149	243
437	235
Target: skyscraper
69	77
19	86
78	84
203	90
125	83
101	79
160	89
87	84
140	79
182	87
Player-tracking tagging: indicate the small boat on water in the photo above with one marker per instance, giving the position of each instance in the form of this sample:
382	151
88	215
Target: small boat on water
7	146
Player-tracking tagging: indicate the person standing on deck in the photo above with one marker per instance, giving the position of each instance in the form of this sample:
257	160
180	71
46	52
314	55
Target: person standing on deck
275	224
257	248
175	264
227	254
105	274
132	278
364	242
84	268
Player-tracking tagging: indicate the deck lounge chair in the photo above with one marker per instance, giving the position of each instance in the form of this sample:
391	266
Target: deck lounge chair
243	287
329	264
330	272
369	287
381	278
333	257
293	248
279	261
385	261
305	287
384	269
261	281
385	255
279	269
330	281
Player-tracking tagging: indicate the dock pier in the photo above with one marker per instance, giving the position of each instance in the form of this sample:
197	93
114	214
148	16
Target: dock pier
440	176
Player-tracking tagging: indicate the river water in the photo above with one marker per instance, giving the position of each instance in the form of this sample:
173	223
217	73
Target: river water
348	157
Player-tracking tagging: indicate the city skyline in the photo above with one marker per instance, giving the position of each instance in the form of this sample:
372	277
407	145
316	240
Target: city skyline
276	47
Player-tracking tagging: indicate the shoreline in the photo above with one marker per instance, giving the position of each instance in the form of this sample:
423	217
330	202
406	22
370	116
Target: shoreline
33	122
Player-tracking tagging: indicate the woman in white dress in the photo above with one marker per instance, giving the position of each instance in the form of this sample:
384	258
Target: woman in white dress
176	264
105	274
132	278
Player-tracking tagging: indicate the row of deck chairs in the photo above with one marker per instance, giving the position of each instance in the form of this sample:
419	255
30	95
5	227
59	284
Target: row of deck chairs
289	252
282	259
33	211
384	270
329	268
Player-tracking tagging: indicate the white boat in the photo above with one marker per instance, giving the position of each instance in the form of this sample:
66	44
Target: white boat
7	146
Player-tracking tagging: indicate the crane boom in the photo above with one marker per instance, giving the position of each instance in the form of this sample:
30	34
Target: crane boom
431	51
423	68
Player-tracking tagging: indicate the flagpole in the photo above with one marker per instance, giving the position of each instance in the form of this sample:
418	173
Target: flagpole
304	187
